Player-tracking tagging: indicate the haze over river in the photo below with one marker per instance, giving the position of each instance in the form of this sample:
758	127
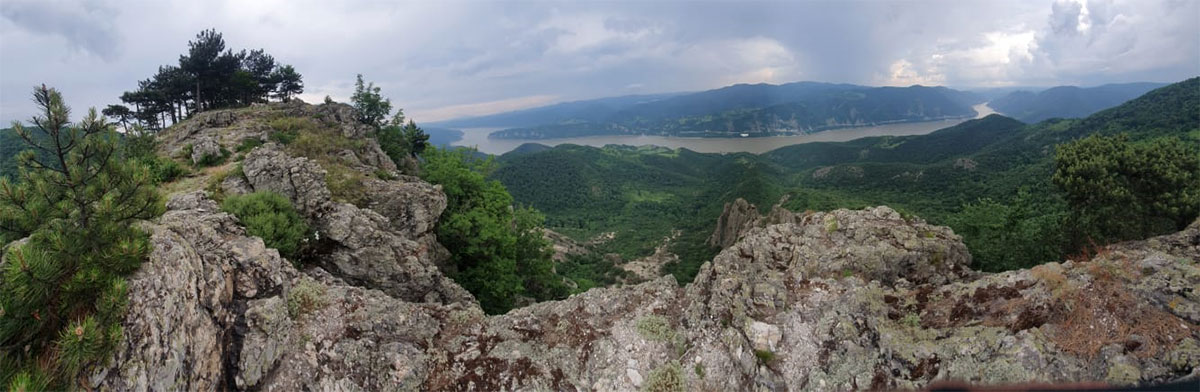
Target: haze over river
478	137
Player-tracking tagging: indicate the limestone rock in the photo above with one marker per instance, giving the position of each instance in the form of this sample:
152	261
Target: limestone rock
775	311
205	148
737	217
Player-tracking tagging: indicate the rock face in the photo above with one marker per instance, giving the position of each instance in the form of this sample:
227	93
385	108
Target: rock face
396	253
839	300
214	309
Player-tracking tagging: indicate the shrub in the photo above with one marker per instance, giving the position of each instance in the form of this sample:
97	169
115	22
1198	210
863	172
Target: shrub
764	356
271	216
655	327
214	160
306	296
667	378
249	144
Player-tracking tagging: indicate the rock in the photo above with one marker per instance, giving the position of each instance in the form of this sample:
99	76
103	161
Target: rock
182	315
764	314
205	148
763	336
236	185
399	255
564	246
735	219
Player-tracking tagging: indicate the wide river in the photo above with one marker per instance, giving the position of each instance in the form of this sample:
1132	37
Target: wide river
478	137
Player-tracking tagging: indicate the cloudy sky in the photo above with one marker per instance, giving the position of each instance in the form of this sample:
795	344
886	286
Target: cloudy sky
445	59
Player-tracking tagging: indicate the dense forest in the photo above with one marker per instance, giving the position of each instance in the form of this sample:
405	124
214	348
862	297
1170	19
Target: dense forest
1067	101
1014	191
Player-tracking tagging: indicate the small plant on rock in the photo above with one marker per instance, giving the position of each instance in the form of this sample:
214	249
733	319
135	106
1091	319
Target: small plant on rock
271	216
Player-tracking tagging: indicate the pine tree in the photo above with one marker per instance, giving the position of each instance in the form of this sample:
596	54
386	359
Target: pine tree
62	292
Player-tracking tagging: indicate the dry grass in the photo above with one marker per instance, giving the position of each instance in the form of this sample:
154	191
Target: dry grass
1106	312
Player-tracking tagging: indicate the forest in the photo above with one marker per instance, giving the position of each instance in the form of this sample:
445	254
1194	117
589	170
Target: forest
1019	194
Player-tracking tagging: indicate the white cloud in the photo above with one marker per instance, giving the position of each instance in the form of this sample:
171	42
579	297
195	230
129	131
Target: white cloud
451	56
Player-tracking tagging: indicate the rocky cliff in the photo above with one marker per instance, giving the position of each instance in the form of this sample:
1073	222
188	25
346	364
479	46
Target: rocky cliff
822	301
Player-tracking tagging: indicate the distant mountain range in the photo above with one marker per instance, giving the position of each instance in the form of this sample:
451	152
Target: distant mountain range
738	110
1067	101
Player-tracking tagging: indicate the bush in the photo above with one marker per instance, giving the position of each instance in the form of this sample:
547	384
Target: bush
286	129
305	297
271	216
667	378
249	144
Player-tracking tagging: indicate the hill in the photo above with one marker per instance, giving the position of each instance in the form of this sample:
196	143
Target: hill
1067	101
753	109
587	110
644	193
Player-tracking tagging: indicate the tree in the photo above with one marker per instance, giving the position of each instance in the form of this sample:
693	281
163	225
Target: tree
402	142
1119	190
63	291
372	107
289	83
262	69
120	113
1023	233
499	255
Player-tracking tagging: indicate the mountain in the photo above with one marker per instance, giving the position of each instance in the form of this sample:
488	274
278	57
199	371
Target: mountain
752	109
872	298
644	193
1067	101
587	110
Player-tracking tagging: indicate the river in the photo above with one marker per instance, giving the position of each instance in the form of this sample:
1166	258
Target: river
477	137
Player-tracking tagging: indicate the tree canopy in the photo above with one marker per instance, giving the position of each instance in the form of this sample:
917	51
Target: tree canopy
208	76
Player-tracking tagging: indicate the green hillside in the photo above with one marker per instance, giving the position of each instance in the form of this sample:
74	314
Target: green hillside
994	165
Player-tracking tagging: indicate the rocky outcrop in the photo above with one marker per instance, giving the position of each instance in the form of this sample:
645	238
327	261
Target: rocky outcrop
838	300
563	246
877	302
396	253
735	219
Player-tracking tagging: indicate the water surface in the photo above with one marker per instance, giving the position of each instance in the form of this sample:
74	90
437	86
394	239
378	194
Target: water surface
477	137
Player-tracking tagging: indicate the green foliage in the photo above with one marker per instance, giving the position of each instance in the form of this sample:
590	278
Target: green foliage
372	107
214	160
1121	190
764	356
666	378
306	296
402	142
656	328
251	143
1023	233
208	77
590	270
63	292
969	176
271	216
286	129
496	250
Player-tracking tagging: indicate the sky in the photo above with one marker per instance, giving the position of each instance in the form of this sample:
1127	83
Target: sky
446	59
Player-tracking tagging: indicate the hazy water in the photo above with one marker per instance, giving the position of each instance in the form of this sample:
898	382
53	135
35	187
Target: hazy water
477	137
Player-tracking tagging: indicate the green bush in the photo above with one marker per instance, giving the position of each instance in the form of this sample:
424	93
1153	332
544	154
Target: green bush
249	144
271	216
667	378
214	160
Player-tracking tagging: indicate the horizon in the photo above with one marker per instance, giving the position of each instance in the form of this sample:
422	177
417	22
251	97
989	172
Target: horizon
454	60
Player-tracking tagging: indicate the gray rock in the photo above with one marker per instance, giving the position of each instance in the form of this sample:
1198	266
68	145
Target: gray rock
765	314
205	148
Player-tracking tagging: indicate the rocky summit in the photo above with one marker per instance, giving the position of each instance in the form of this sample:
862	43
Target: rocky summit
840	300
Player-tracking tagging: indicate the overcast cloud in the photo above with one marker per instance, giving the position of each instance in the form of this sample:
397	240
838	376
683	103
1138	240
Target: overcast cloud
445	59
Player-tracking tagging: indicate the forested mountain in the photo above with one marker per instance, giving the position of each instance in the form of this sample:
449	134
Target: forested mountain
643	193
586	110
755	110
1067	101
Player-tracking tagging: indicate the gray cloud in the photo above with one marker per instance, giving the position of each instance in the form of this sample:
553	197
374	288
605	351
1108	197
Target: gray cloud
442	59
86	27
